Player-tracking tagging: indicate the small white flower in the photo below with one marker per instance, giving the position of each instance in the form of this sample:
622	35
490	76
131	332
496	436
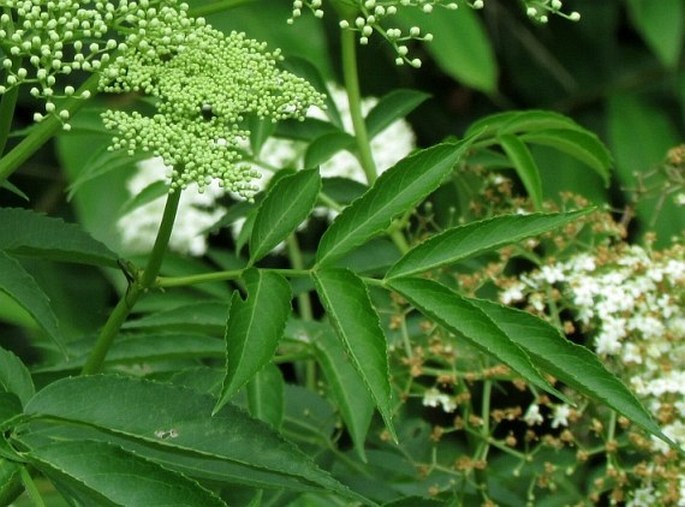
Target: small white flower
560	415
513	294
434	398
532	415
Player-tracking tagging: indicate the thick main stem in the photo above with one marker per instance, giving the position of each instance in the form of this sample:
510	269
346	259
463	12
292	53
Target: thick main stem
121	311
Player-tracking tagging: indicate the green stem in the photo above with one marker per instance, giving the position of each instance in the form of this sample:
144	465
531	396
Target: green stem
297	262
128	300
351	78
111	329
485	417
166	282
330	202
304	304
47	128
31	489
361	135
154	262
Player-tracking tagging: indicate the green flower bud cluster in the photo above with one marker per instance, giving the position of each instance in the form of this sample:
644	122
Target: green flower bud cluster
43	40
540	10
204	83
375	16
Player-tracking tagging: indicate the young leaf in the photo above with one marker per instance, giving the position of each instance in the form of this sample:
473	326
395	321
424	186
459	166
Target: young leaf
24	232
14	376
572	364
20	286
475	238
580	144
460	316
254	328
286	205
525	166
395	105
348	389
104	474
394	192
353	317
151	192
179	420
265	395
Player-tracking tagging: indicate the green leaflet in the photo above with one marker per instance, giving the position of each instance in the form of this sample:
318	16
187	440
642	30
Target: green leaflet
459	315
150	193
662	25
525	166
149	347
201	317
514	129
582	145
394	192
395	105
254	328
10	406
286	206
14	376
514	122
353	317
347	387
323	148
176	420
21	287
103	474
574	365
265	395
475	238
25	232
10	482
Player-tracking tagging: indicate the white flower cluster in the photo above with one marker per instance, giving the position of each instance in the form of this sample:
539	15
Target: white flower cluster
632	300
197	212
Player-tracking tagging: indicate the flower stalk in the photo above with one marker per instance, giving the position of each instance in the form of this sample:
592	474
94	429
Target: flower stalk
146	281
